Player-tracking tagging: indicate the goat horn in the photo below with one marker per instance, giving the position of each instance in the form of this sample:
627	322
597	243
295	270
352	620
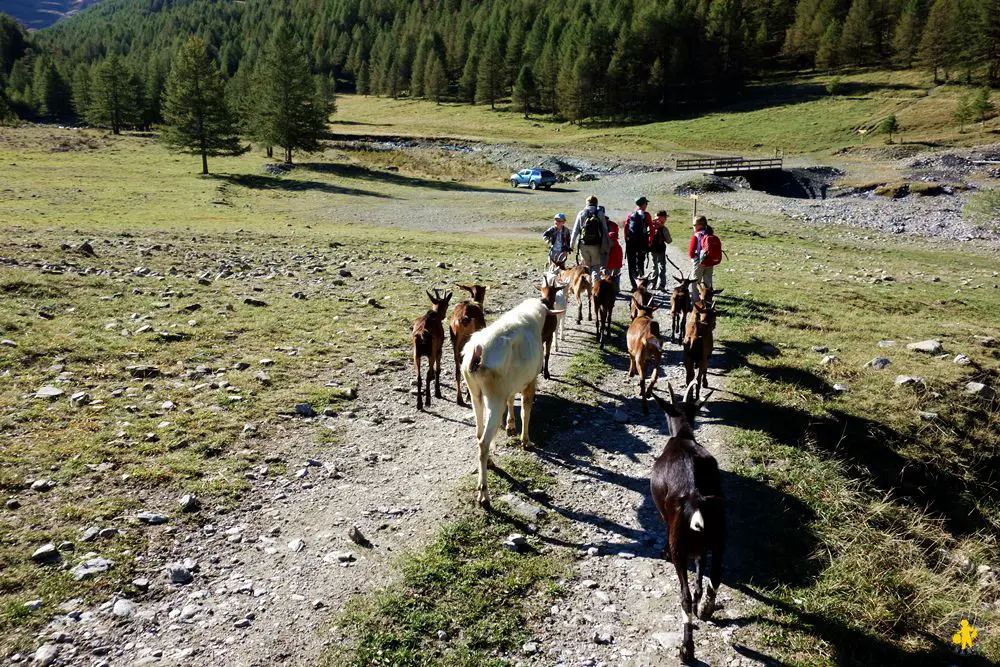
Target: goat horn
429	295
690	391
705	400
673	396
674	265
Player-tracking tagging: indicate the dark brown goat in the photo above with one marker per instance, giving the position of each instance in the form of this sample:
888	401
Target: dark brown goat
680	304
468	318
550	294
428	341
640	297
699	339
644	351
687	488
605	293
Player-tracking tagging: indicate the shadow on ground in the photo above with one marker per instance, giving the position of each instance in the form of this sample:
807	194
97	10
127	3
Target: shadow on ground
393	178
259	182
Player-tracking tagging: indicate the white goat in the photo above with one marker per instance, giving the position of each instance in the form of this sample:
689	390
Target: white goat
498	362
552	278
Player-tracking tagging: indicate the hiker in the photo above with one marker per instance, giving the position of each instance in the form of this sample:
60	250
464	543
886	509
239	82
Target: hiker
557	236
659	238
637	239
705	251
590	235
615	254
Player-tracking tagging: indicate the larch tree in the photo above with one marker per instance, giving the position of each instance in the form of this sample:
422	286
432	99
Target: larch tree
112	97
525	91
935	50
435	79
81	90
906	37
991	40
490	79
198	120
857	36
287	112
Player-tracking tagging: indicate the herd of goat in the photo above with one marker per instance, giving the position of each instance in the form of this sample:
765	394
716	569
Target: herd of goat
504	358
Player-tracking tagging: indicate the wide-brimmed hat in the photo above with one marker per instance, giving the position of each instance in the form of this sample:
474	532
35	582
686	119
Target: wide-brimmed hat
641	201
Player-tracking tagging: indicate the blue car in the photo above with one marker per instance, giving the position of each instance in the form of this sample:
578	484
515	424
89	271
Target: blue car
533	178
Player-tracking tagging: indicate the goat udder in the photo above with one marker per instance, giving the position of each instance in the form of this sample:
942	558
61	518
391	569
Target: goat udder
697	521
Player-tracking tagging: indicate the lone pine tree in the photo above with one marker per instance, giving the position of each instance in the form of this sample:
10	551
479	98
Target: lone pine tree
197	118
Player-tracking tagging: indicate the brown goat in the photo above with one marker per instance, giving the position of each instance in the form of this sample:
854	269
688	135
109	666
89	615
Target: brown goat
578	279
680	304
640	297
549	296
687	489
428	341
468	318
605	293
644	351
699	338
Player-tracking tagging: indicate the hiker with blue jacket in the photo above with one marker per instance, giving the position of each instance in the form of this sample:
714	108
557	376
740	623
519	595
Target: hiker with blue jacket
590	236
637	227
557	236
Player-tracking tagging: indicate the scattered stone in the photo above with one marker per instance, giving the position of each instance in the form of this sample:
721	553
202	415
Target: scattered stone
46	655
33	605
887	343
909	381
12	504
107	533
371	301
348	393
296	545
840	388
962	360
179	574
90	534
299	295
79	399
242	623
526	510
143	371
344	273
43	485
123	609
305	410
90	567
829	359
264	378
879	363
329	412
6	342
928	416
49	393
603	637
190	503
318	604
141	583
257	303
354	535
266	362
928	346
516	542
151	518
442	635
343	556
978	389
529	648
47	553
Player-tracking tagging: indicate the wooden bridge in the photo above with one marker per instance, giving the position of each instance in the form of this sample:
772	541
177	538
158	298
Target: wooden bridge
729	165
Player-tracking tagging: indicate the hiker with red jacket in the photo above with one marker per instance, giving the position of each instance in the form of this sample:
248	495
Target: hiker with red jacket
637	239
615	254
705	251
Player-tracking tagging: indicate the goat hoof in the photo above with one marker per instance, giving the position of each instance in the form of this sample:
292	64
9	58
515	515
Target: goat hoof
706	608
686	651
511	430
483	501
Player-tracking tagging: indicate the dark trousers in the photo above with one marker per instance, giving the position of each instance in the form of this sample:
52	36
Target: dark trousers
636	258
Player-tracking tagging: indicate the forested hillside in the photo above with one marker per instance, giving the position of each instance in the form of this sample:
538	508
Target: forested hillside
576	58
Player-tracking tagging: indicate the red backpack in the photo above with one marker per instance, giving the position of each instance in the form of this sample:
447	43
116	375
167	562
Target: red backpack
711	250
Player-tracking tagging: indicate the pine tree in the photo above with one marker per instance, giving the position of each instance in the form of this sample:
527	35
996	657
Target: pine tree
857	37
963	111
52	92
965	36
197	118
658	82
361	83
435	79
467	84
889	125
905	38
287	113
935	46
490	77
525	91
991	40
827	55
81	90
112	98
981	107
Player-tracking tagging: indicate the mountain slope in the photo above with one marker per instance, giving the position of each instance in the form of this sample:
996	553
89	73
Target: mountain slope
38	14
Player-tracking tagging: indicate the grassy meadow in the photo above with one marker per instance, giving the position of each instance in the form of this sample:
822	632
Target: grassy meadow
879	504
797	115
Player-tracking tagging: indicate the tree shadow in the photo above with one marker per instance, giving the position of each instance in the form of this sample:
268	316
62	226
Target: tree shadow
260	182
394	178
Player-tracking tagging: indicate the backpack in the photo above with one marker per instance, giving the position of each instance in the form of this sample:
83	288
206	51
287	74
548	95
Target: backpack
659	243
711	250
636	227
592	229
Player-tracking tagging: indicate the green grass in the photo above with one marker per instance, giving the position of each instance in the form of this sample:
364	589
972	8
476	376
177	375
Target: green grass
797	115
876	518
483	596
983	207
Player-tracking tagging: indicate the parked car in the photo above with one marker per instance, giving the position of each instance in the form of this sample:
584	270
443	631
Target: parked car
533	178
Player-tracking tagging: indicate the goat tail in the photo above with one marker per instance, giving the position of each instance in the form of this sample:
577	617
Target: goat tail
476	362
697	521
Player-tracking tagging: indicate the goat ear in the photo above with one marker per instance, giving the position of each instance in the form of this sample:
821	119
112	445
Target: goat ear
668	408
431	296
557	312
717	291
466	288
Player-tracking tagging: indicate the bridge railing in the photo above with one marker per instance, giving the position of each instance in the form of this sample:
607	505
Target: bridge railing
728	164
